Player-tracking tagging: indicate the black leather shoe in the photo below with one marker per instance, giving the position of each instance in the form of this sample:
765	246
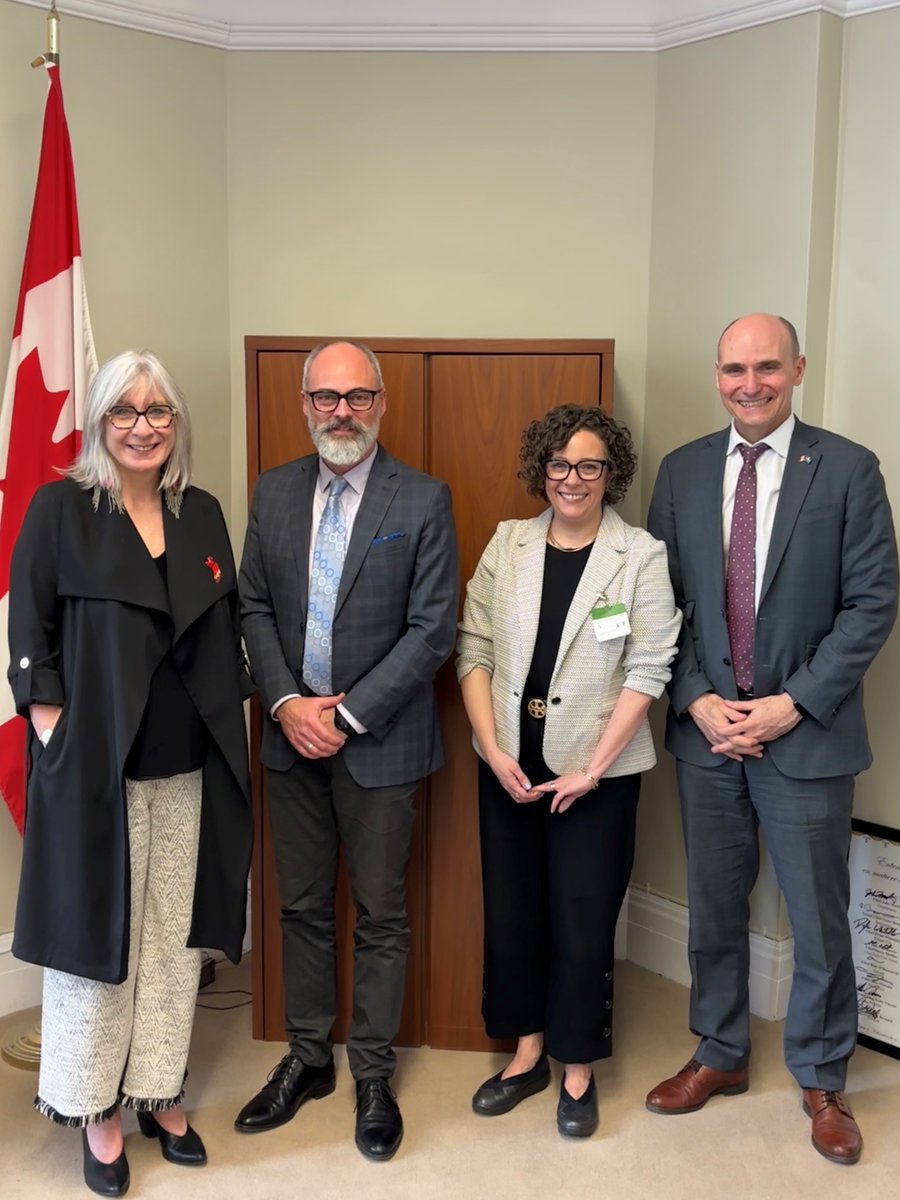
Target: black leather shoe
577	1118
379	1126
291	1084
497	1095
185	1149
106	1179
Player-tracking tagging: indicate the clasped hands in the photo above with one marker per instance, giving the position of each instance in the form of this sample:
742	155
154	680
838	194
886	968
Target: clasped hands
739	729
566	789
308	724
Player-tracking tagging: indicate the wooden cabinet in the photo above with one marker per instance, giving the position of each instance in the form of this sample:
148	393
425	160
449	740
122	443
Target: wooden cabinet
455	409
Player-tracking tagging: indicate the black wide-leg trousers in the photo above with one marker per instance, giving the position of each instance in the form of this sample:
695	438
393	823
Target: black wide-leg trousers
553	886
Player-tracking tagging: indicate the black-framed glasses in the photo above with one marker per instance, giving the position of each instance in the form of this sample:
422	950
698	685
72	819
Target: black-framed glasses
158	416
588	469
358	399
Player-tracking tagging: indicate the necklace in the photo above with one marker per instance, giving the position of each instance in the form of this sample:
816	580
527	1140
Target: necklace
568	549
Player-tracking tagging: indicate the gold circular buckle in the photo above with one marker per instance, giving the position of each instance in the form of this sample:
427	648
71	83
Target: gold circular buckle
537	708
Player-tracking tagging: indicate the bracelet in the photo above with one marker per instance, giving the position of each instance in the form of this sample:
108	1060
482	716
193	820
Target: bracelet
595	783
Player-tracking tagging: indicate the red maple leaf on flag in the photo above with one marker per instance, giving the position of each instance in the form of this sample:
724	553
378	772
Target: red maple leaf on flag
50	366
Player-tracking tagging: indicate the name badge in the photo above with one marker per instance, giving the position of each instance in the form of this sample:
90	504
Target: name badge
610	622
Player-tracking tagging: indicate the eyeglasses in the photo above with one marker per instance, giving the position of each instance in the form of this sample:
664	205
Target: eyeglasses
158	416
588	469
358	400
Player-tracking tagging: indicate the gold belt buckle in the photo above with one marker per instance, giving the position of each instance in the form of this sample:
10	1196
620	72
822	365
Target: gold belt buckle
537	708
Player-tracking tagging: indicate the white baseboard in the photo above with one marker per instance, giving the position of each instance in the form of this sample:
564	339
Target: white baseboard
20	983
657	938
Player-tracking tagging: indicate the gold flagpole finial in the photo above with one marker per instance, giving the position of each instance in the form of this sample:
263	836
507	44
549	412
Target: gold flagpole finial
52	55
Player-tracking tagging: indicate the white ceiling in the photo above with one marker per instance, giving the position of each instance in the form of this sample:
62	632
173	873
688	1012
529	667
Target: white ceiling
568	25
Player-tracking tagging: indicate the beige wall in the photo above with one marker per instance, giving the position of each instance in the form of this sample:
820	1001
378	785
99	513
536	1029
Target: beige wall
442	195
863	399
642	197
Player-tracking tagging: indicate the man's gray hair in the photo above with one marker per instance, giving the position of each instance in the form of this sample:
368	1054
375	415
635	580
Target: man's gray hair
95	467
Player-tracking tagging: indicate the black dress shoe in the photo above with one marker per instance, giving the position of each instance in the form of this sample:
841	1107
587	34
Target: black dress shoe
577	1118
106	1179
497	1095
379	1126
185	1149
291	1084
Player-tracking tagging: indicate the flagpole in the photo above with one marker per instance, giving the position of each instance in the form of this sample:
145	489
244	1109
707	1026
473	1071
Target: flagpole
51	58
25	1051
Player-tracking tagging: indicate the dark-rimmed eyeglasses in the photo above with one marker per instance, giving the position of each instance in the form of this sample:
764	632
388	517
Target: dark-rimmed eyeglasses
588	469
157	416
358	400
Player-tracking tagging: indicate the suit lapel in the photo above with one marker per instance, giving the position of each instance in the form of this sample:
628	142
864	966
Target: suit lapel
381	488
531	549
703	501
799	471
300	508
604	562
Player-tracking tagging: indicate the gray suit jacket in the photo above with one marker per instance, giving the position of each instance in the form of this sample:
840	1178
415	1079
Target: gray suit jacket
394	621
828	600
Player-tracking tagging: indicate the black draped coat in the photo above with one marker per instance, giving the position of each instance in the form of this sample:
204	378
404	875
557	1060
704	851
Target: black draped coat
89	621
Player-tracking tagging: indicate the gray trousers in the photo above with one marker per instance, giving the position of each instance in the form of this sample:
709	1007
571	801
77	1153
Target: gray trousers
102	1043
314	807
806	823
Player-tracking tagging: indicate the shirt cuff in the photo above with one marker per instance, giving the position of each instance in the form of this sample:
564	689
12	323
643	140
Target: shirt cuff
348	716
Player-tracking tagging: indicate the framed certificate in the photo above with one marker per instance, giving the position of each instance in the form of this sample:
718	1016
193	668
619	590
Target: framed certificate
875	930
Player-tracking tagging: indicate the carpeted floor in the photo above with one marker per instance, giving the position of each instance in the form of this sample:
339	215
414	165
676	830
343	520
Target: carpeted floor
749	1147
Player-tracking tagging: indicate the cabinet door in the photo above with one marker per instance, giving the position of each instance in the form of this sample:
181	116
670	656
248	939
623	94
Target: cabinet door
478	407
457	411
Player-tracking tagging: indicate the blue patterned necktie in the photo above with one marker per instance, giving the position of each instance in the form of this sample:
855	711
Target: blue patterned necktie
324	581
740	583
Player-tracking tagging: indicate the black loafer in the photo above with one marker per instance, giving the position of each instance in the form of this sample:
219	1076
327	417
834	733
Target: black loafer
184	1149
497	1095
379	1126
106	1179
291	1084
577	1118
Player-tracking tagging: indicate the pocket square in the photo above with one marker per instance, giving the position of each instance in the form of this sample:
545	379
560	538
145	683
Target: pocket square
388	537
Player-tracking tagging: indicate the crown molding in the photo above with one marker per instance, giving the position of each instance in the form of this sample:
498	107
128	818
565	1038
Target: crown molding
451	25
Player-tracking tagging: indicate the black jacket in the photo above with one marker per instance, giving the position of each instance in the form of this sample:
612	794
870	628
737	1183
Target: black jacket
89	621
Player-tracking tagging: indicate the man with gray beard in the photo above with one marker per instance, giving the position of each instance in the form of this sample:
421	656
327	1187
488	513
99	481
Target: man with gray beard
349	585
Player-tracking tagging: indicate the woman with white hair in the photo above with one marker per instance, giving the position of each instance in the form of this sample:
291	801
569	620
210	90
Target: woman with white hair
126	662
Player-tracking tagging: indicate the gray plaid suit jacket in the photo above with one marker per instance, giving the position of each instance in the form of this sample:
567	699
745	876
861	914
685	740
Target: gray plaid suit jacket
394	622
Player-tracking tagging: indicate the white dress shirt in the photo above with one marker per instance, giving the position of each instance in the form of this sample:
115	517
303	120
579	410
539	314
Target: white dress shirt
769	474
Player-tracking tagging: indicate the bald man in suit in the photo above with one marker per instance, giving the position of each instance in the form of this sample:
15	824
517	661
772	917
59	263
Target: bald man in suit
784	562
349	587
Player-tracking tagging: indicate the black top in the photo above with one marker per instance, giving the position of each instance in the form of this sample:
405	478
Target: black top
562	574
171	739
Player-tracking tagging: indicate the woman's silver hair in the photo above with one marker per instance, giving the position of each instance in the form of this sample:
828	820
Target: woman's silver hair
364	350
95	467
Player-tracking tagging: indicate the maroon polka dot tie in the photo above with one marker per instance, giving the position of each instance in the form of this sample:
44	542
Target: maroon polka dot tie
740	585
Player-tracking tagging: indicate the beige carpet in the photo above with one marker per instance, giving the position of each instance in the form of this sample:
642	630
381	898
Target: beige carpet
749	1147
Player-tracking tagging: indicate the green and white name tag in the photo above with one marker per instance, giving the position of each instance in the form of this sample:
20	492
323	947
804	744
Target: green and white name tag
610	622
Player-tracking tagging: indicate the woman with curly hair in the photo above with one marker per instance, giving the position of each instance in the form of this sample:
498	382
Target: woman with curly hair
568	631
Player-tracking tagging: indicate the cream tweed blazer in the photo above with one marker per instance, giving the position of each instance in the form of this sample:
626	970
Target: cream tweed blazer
499	628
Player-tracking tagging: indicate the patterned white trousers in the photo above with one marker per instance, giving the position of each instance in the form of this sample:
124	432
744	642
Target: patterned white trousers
103	1043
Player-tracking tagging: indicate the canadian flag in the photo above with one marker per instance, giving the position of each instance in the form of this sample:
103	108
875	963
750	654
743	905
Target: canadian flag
50	367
